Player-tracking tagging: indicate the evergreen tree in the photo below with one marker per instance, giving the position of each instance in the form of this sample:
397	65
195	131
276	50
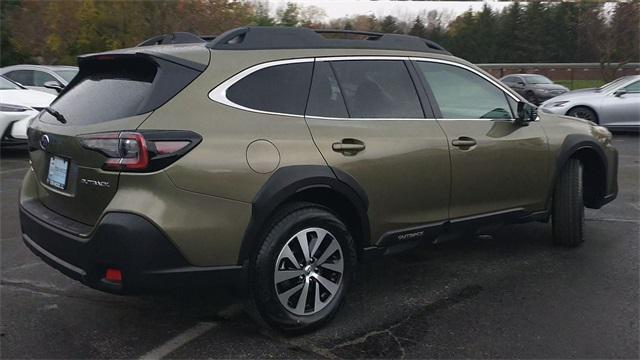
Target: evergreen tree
535	31
389	25
512	46
485	32
289	16
418	28
261	15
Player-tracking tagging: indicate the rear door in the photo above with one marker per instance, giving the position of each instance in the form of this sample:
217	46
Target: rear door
367	120
496	164
110	95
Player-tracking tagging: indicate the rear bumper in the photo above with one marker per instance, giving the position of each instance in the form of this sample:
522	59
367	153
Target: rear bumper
128	242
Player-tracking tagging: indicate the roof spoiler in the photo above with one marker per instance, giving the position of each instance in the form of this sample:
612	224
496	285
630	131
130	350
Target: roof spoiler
177	38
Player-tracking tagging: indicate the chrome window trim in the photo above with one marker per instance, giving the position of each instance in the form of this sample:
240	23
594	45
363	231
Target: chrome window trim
495	83
362	57
219	93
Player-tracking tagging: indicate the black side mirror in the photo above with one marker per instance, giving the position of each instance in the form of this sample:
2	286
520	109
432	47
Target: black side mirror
619	92
526	113
53	85
521	83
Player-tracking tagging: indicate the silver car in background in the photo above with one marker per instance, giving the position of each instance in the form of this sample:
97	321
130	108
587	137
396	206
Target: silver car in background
48	78
615	105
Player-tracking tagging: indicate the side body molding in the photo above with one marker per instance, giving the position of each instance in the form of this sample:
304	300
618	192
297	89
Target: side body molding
286	183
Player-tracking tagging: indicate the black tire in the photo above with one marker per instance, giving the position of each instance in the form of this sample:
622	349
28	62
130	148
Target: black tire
289	221
568	206
583	112
532	98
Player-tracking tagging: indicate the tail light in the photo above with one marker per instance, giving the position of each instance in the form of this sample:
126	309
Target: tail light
140	151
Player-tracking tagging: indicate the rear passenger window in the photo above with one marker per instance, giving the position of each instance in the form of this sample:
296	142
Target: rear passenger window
378	89
280	89
41	77
325	98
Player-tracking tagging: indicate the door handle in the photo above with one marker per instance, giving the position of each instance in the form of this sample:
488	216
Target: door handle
348	146
464	141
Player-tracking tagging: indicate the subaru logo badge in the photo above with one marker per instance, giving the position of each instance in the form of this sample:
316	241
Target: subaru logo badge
44	142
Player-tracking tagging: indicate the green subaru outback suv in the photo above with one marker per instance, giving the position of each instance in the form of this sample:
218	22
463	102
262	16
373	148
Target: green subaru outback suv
276	159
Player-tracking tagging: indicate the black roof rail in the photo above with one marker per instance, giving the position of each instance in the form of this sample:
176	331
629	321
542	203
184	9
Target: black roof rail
264	38
177	38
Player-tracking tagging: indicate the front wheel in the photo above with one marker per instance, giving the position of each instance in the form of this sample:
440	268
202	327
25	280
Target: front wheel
583	113
568	206
303	268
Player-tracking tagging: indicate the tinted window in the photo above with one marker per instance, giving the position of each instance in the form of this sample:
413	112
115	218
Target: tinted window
8	85
509	79
280	88
67	75
461	94
109	89
325	97
633	88
538	79
41	77
23	77
378	89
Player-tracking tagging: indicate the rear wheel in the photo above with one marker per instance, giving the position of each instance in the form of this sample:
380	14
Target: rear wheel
583	113
302	269
568	206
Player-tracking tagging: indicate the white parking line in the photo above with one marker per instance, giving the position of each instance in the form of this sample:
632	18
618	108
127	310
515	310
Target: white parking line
178	341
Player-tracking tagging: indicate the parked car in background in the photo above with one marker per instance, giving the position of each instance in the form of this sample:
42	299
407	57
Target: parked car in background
17	106
615	105
51	79
535	88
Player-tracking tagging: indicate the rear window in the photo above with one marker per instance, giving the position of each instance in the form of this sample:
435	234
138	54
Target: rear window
279	89
113	89
67	75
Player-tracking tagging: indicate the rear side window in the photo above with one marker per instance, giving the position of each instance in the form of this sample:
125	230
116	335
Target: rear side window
325	97
23	77
633	88
41	77
461	94
113	89
279	89
378	89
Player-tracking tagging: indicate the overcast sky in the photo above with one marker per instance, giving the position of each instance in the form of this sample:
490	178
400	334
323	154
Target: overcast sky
403	10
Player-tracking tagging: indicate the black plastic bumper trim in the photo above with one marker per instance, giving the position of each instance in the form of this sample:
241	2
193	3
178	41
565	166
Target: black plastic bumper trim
147	259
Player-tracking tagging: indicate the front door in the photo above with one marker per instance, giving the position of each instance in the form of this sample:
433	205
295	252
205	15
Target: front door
496	165
622	109
368	122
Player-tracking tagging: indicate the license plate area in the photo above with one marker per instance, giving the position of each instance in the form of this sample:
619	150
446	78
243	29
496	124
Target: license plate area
58	172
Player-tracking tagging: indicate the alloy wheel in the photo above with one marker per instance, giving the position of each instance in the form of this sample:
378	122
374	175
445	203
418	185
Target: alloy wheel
308	271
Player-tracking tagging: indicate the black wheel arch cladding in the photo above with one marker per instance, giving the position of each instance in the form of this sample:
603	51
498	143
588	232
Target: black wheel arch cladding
286	184
591	154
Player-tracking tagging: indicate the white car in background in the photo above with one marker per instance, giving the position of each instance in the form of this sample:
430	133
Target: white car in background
18	105
48	78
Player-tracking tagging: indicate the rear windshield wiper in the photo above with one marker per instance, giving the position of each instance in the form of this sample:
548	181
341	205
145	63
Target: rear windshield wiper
56	115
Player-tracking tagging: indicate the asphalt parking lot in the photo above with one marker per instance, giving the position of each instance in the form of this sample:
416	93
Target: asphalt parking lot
513	295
